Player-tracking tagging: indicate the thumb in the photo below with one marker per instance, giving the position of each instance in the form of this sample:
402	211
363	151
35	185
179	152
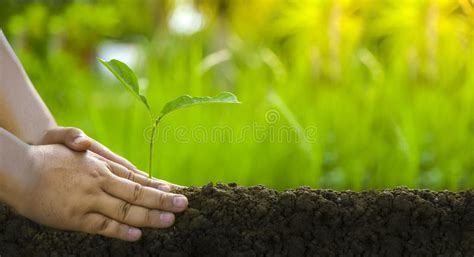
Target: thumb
79	143
73	138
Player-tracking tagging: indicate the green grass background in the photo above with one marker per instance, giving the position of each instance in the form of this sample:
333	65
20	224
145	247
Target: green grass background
389	85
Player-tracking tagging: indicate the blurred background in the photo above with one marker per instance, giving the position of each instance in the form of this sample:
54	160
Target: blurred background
368	93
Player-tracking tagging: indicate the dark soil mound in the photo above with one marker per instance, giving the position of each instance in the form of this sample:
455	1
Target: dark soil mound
255	221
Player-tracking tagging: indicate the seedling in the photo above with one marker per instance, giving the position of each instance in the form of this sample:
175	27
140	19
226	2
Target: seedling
129	80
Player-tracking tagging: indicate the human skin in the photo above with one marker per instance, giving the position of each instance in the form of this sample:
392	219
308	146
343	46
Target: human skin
61	178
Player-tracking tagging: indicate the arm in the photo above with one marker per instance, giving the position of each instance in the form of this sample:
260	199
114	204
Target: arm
31	119
11	148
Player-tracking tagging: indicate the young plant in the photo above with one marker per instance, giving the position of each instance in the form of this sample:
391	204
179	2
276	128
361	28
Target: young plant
129	80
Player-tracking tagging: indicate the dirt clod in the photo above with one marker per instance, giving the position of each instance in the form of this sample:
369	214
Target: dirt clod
228	220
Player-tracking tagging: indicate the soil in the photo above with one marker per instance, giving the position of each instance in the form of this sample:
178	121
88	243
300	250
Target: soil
228	220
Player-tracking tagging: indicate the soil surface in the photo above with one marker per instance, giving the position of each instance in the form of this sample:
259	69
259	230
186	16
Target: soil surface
228	220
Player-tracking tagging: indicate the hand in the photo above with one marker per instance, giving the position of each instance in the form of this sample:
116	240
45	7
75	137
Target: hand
84	192
77	140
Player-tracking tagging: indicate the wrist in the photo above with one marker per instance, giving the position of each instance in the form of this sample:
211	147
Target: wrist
42	134
16	160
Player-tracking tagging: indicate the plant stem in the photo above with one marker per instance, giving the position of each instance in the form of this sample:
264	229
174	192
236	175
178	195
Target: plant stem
152	138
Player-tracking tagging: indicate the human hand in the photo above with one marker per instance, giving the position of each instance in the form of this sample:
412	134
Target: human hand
76	140
82	191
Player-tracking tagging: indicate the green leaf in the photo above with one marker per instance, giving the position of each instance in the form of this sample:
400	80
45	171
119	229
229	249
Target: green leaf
187	101
127	78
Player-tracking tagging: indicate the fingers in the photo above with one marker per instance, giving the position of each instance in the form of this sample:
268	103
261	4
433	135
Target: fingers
159	182
105	226
123	172
73	138
171	185
142	178
148	197
105	152
133	215
76	140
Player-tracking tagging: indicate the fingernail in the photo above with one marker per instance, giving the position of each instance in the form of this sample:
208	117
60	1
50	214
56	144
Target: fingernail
134	233
164	188
180	201
79	139
166	217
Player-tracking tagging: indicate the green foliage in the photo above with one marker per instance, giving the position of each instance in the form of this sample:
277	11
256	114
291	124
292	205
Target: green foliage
126	77
129	80
185	101
387	83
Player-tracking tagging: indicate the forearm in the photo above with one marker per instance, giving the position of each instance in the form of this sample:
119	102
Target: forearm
22	112
14	162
